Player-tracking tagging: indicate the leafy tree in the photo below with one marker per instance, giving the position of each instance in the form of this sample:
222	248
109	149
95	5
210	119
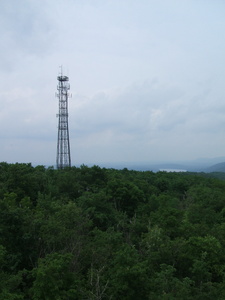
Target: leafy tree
53	278
128	278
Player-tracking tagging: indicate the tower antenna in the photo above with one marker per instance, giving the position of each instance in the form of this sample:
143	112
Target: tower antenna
63	158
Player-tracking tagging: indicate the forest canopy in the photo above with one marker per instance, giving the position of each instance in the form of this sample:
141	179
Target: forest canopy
97	233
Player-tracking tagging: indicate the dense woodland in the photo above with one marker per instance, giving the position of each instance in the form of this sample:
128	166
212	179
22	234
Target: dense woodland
96	233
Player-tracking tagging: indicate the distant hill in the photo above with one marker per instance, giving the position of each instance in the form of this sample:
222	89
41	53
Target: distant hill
216	168
206	165
147	166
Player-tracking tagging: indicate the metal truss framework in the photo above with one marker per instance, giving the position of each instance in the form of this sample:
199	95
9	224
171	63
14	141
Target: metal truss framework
63	146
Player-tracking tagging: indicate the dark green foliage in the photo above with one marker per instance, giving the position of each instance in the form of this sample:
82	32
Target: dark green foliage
53	278
95	233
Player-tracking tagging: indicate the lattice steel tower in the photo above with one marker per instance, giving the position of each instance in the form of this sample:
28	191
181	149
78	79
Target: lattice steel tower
63	146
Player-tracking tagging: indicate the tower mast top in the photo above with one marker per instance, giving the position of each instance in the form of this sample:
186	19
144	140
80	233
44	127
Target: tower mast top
61	77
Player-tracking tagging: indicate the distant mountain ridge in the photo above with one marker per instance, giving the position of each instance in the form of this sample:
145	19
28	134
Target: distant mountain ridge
220	167
199	165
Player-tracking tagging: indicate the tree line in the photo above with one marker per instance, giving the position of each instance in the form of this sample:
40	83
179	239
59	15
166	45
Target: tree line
97	233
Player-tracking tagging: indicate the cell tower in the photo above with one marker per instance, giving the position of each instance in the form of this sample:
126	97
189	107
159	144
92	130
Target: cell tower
63	146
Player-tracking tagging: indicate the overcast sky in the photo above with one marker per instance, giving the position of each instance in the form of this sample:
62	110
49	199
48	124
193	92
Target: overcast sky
147	79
